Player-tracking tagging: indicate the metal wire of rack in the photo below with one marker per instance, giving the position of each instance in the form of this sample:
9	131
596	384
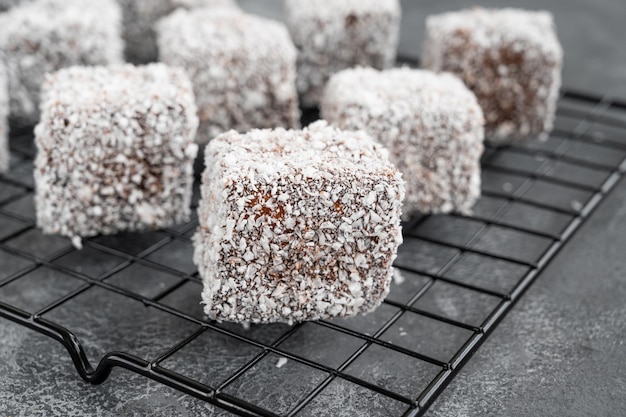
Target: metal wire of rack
132	301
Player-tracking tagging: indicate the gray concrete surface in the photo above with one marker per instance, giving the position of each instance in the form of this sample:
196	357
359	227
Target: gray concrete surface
562	351
559	353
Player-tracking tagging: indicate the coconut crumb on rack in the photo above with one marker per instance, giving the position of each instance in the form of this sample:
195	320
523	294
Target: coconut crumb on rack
281	362
510	58
243	68
43	36
297	225
335	35
115	150
398	277
431	124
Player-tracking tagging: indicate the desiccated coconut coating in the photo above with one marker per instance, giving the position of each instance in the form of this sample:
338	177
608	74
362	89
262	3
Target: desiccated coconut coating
333	35
510	58
140	17
431	124
46	35
297	225
115	150
4	119
243	68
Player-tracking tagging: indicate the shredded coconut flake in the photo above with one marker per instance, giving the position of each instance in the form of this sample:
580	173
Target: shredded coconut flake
77	242
577	205
281	362
398	278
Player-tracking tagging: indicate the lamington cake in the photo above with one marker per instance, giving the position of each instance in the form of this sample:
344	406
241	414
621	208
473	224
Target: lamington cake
115	150
511	59
297	225
333	35
140	17
243	68
43	36
431	124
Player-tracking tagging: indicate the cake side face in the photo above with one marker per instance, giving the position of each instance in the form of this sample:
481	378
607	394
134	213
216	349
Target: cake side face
115	150
43	36
243	68
510	58
140	17
4	119
335	35
297	225
431	124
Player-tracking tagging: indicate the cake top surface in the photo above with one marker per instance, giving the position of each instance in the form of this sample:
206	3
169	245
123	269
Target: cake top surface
317	149
124	85
333	8
215	29
489	27
40	15
401	90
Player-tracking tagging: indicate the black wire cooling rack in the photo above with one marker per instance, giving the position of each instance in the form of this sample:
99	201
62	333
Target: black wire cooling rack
132	300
